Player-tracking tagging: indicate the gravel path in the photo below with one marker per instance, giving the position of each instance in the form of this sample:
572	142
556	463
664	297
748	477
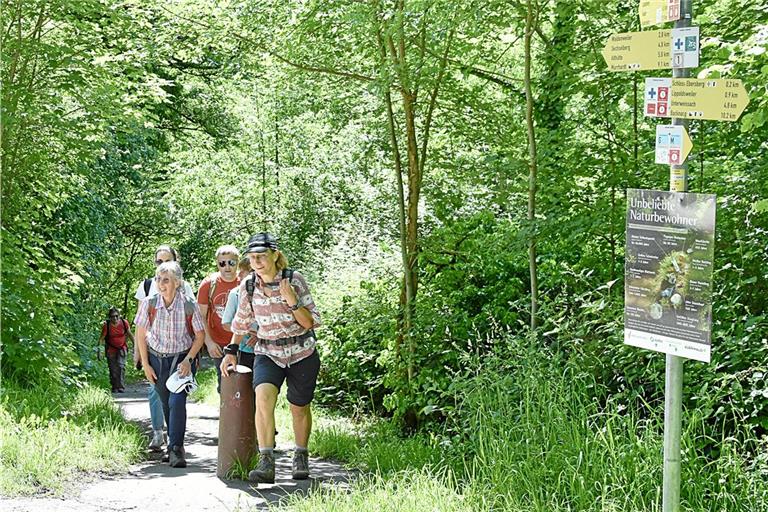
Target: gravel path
152	485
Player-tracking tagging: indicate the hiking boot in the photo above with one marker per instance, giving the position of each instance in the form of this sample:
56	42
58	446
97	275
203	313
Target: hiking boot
177	459
265	471
300	465
157	442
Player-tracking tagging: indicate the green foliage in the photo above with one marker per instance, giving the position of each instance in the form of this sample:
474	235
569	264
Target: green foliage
197	124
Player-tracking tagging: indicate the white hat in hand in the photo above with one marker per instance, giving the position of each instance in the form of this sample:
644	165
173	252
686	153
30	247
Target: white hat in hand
176	383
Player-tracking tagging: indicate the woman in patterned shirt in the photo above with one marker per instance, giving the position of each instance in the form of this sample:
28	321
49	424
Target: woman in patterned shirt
170	333
283	308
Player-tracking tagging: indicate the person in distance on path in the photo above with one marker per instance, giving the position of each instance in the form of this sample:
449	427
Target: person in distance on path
282	306
113	335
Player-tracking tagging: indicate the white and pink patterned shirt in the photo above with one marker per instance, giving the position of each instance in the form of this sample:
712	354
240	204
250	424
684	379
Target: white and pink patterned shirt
280	337
168	333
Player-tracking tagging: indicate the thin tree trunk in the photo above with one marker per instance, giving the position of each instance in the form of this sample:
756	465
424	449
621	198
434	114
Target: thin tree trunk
532	169
407	292
397	54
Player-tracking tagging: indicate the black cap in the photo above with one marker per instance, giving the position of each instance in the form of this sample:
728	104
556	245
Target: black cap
260	242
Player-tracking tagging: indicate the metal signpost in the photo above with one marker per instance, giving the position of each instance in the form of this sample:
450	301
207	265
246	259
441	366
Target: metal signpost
673	375
668	287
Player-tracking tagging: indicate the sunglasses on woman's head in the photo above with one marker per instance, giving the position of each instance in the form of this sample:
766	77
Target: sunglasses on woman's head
224	263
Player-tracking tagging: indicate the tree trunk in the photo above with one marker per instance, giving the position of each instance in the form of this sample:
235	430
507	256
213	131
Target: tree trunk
529	29
405	320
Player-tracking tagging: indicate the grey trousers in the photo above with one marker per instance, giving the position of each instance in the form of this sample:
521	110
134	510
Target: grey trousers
116	364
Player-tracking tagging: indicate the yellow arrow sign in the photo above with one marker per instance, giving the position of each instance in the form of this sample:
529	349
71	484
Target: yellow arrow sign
672	144
719	100
656	12
635	51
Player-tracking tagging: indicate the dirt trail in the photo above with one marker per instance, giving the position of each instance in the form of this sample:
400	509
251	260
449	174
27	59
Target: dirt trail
152	485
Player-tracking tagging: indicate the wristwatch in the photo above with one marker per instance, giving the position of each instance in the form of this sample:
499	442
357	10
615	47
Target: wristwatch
189	360
294	307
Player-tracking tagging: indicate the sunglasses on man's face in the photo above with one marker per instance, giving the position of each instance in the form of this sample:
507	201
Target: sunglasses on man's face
113	316
160	262
227	263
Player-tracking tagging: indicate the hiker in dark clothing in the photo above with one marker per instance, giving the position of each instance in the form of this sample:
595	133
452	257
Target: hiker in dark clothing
113	335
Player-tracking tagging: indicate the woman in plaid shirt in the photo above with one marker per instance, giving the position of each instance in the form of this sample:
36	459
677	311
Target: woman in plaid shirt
283	308
170	333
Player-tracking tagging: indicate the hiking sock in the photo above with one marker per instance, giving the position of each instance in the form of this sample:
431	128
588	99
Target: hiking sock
299	449
267	451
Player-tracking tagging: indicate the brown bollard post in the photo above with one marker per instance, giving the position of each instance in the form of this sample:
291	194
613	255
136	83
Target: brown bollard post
237	431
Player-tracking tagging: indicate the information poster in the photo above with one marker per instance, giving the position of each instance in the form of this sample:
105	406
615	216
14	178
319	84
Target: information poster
668	272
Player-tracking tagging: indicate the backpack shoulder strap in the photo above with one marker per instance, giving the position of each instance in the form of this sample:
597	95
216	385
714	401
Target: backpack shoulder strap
250	286
147	286
189	312
152	309
214	280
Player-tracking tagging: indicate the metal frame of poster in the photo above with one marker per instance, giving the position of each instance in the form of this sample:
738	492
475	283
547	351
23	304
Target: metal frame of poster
668	272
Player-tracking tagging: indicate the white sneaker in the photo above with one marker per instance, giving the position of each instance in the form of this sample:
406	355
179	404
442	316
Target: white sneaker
158	440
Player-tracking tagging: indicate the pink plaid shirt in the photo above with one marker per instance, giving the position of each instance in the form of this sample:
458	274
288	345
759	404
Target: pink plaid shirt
168	333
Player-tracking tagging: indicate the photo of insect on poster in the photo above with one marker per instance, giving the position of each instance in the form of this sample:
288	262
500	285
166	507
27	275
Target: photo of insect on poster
668	272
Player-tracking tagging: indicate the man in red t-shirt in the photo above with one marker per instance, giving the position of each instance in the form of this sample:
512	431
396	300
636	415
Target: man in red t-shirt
212	299
113	335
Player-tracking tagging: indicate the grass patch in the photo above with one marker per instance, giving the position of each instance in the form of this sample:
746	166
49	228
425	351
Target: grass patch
538	443
206	387
531	439
413	490
375	446
48	438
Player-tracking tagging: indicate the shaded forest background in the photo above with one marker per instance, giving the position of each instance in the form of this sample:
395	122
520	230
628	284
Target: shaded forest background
385	143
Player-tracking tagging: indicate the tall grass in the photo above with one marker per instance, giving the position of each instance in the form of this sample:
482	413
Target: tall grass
528	436
375	447
542	444
49	437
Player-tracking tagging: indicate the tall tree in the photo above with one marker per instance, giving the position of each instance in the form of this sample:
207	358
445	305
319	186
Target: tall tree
531	24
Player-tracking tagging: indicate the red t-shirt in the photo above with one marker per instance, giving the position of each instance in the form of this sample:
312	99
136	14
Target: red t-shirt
220	294
117	335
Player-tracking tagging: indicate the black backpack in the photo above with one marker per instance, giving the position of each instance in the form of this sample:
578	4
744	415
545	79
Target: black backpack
147	286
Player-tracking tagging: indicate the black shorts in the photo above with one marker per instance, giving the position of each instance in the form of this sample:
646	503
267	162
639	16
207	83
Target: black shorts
245	358
301	377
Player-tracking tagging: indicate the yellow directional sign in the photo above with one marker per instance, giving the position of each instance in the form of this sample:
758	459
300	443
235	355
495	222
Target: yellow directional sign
635	51
656	12
719	100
